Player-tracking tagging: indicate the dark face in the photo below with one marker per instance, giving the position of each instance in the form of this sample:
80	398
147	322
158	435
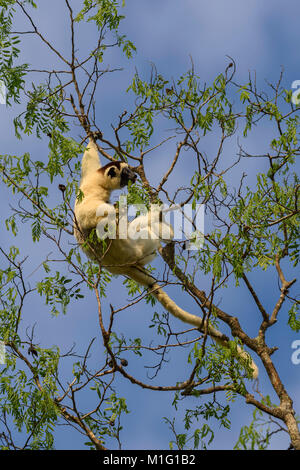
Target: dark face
119	174
126	176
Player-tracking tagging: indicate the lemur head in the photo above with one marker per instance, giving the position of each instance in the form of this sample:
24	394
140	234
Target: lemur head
116	175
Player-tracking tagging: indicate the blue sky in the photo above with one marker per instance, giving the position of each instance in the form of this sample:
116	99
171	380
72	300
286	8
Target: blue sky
259	36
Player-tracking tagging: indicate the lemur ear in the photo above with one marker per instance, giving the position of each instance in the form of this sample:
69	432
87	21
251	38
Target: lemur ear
112	172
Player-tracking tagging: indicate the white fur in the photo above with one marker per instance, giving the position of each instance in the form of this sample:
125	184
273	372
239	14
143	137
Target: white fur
128	256
90	162
144	233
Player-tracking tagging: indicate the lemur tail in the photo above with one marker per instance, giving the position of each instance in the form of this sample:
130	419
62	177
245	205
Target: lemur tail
139	275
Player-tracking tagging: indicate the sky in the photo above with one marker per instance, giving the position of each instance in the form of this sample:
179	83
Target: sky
261	37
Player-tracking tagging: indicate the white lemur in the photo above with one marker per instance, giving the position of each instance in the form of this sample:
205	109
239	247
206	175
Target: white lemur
127	256
96	185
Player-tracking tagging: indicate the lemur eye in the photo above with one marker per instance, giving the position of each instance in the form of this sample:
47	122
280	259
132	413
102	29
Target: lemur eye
112	172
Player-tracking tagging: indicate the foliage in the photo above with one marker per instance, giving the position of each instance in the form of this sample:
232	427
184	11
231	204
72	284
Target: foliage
252	232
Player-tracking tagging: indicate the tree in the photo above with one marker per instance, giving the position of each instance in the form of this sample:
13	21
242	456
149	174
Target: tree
251	234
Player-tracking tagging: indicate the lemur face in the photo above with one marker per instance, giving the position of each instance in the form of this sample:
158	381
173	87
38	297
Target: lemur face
126	176
117	175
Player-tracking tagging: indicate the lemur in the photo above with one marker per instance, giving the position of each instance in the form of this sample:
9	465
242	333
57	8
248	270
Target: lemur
126	256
